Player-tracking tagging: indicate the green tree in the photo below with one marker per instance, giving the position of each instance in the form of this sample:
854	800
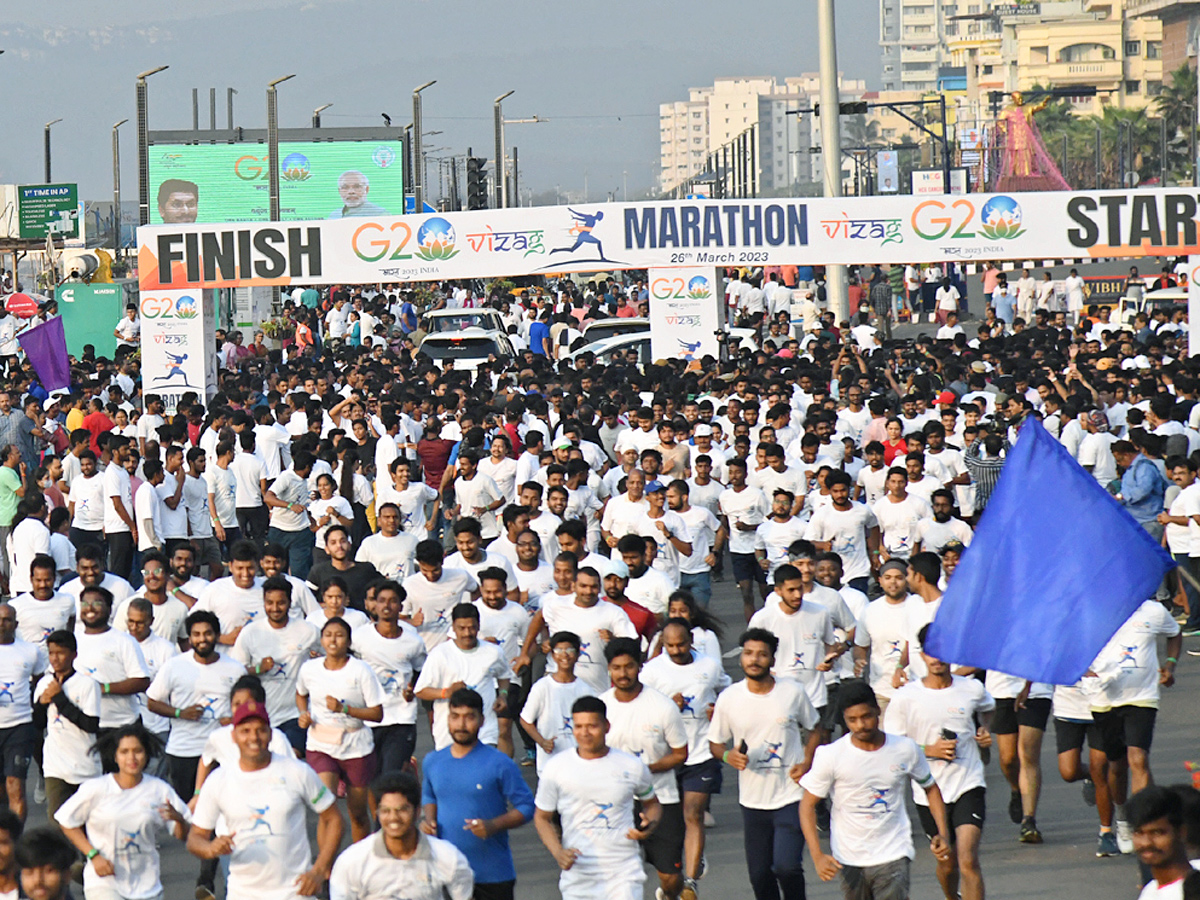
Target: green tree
1177	104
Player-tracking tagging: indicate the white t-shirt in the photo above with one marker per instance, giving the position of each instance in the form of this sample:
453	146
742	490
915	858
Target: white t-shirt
436	871
594	798
748	507
920	614
233	605
652	589
873	482
504	627
289	648
898	522
112	656
883	628
587	622
70	752
184	682
698	683
869	818
265	810
155	651
770	726
248	476
668	558
28	539
702	525
647	726
88	496
116	484
921	713
478	669
171	523
846	530
36	619
114	584
222	484
392	556
335	733
935	535
220	748
336	505
1128	664
621	515
125	825
548	709
169	617
774	537
478	494
412	502
393	660
534	583
802	639
435	600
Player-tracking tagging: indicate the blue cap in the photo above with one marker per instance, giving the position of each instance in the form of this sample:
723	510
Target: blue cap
655	485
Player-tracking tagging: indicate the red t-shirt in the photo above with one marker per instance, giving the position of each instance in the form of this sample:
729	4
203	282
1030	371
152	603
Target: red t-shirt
434	455
97	423
644	622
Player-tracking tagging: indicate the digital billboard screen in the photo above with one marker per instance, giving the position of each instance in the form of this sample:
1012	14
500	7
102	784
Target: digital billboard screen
317	180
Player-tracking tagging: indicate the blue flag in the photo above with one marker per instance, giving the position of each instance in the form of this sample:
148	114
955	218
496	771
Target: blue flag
1055	568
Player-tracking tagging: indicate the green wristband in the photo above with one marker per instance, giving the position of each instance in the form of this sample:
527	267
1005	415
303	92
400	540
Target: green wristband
725	757
93	853
177	712
1172	660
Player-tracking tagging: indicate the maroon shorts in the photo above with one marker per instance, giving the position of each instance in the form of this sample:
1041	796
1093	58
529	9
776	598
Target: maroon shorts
355	772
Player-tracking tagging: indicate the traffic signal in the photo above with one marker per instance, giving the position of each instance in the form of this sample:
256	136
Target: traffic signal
856	108
477	183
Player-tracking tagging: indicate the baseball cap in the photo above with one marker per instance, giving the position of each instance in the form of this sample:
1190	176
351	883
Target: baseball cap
944	398
702	430
655	485
563	443
614	566
50	401
251	709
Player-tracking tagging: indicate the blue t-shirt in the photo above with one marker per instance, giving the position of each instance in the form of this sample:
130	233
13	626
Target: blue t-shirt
481	785
539	333
1005	304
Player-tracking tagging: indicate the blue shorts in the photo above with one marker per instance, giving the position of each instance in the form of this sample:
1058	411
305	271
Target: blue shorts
702	778
746	568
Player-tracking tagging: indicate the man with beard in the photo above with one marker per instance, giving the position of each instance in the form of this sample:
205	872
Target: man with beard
473	795
936	531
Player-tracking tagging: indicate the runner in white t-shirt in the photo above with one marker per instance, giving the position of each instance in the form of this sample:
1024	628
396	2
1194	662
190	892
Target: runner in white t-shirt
864	775
591	789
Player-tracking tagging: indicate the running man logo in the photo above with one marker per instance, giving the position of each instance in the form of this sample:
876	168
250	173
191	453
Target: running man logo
686	707
600	815
771	755
879	798
129	842
6	691
1128	658
582	230
258	819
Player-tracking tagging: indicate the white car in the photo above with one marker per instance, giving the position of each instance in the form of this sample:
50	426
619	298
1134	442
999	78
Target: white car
468	349
606	328
438	321
617	346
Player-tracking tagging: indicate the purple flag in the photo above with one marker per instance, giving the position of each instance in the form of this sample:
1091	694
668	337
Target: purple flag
46	347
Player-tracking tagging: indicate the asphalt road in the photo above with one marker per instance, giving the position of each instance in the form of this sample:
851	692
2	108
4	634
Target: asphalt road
1064	866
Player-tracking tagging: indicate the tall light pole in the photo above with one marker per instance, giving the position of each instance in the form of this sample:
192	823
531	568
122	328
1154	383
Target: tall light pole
532	120
273	144
831	141
417	163
143	147
47	146
117	187
317	114
498	124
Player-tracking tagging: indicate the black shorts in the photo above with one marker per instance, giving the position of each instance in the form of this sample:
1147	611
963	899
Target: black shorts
969	809
1006	719
702	778
1069	735
1123	727
17	746
746	568
514	699
831	713
664	847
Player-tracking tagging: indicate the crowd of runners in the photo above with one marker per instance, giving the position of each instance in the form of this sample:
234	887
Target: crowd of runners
221	622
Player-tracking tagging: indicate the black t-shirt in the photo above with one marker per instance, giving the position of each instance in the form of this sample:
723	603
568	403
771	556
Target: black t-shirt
358	578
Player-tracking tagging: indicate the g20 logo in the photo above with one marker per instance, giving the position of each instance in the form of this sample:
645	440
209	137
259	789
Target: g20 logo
668	289
184	307
1000	219
371	241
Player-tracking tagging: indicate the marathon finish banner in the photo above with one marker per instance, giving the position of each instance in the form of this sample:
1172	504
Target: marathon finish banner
606	236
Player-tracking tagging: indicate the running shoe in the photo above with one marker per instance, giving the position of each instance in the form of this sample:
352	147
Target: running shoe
1029	831
530	758
1124	837
1107	845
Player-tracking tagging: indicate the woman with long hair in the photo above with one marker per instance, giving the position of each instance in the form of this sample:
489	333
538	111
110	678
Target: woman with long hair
116	820
353	486
706	628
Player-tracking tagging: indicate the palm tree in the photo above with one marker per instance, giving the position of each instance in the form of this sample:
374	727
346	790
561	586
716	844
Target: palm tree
1177	104
859	131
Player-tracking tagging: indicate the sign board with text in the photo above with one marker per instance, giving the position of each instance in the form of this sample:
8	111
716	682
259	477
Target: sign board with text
178	344
44	209
684	313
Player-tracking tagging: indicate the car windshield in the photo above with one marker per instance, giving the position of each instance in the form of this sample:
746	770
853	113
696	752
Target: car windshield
602	330
487	319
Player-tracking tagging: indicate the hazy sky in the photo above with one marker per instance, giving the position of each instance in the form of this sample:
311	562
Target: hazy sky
598	71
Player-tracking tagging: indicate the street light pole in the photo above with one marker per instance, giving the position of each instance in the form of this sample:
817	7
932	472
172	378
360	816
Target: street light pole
498	125
273	144
143	146
47	146
317	114
417	157
836	293
116	142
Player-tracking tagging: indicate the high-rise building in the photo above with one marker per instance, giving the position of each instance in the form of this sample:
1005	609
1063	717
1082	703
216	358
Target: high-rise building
1180	21
760	121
